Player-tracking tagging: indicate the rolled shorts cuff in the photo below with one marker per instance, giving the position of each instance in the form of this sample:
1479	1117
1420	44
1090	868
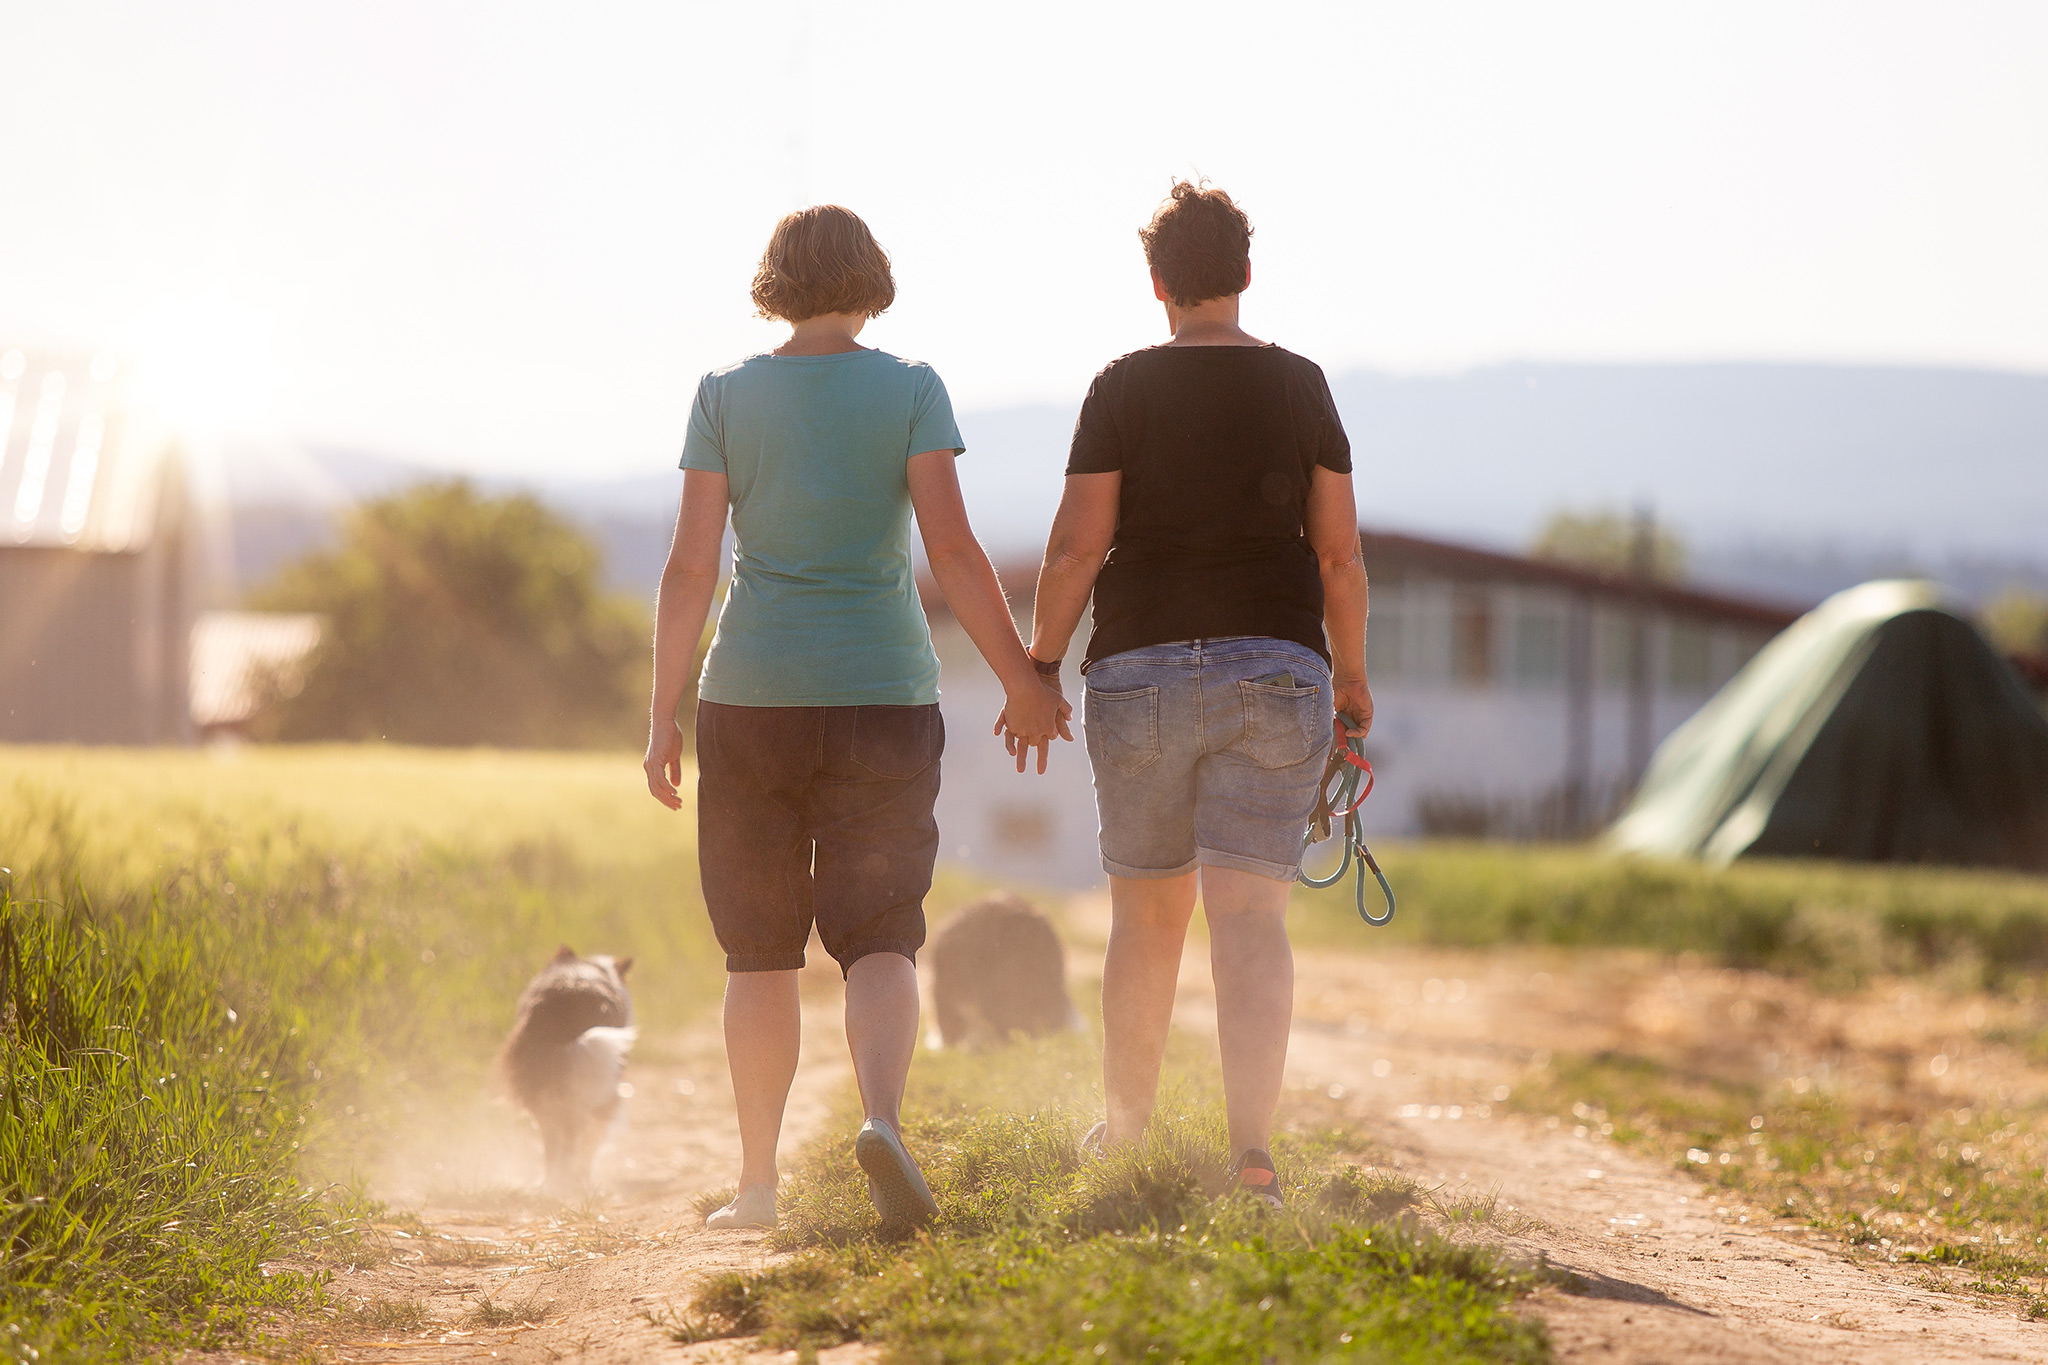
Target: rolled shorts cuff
1239	862
764	962
869	947
1117	869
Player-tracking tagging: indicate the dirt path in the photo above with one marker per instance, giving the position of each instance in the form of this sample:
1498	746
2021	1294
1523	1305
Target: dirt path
1416	1045
493	1272
1420	1043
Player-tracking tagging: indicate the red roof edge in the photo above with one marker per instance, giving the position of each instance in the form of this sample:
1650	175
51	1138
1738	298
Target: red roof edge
1388	552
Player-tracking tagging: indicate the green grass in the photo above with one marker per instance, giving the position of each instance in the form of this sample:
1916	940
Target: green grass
357	923
149	1142
1043	1255
1839	923
1961	1186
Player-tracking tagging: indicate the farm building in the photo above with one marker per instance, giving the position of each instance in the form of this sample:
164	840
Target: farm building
1516	697
96	576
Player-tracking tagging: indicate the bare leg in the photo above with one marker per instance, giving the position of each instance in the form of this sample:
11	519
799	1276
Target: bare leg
1148	926
763	1028
881	1031
1253	967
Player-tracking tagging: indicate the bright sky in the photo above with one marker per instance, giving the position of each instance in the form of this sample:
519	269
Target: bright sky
508	236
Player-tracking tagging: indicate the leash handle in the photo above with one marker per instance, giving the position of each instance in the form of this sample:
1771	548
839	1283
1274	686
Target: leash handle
1353	777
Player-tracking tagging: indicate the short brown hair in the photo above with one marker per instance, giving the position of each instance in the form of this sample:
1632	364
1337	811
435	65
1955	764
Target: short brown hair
1200	243
819	260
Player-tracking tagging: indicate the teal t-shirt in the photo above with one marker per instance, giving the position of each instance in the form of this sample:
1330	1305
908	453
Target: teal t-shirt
823	607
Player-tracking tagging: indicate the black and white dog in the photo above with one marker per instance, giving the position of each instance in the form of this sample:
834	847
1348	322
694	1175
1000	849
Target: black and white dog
565	1057
998	968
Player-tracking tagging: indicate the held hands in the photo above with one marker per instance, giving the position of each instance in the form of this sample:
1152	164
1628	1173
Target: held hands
664	763
1032	716
1354	704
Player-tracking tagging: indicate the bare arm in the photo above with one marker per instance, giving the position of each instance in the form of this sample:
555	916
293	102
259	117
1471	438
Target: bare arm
1332	527
1081	535
688	582
972	590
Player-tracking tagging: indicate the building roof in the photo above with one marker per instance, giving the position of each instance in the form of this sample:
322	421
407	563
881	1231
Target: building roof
1390	554
74	469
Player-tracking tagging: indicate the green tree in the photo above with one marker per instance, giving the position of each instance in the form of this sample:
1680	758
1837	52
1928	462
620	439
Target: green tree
1605	541
456	618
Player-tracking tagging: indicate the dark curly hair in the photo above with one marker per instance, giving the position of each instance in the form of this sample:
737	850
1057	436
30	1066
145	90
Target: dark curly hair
819	260
1200	243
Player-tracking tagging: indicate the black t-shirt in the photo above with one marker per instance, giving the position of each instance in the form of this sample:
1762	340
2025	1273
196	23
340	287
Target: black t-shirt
1217	446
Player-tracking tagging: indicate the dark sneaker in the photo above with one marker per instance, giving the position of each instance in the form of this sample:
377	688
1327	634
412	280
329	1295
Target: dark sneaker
1255	1177
894	1182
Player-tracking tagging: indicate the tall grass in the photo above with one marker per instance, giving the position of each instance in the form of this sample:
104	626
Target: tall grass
1838	922
149	1143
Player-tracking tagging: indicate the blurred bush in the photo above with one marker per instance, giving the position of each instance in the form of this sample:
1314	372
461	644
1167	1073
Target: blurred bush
457	618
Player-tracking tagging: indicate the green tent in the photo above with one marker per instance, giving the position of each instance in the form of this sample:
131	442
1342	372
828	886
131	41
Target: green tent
1880	727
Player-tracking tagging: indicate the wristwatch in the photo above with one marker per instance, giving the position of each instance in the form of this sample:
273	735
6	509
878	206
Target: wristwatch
1047	668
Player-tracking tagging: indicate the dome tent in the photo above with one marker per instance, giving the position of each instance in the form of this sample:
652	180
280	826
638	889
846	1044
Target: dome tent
1879	727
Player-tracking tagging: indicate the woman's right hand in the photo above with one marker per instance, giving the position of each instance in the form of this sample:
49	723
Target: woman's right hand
1032	717
664	763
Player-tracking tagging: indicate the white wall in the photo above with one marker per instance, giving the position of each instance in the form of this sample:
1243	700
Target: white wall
1500	742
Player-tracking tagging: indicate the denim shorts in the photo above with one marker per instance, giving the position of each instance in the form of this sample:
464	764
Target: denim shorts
816	814
1207	753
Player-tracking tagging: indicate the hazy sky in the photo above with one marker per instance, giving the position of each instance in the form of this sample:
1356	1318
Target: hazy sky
509	236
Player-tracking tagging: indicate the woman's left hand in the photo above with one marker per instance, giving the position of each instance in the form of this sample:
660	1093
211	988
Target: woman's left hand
1354	702
1030	720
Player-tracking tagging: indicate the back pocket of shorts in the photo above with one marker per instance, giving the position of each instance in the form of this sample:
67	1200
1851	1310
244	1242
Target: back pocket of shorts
1123	728
895	741
1283	725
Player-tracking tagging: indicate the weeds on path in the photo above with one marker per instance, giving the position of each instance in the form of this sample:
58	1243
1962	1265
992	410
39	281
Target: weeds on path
1044	1254
1963	1186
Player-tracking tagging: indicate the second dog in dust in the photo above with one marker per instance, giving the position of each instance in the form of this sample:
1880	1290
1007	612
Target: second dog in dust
998	969
565	1058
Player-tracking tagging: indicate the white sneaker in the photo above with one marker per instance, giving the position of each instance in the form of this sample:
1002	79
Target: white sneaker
753	1207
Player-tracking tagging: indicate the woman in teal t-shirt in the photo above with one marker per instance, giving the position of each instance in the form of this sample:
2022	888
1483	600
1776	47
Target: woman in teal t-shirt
818	730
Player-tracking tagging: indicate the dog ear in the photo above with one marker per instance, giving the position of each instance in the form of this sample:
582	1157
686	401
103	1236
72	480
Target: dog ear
563	954
622	966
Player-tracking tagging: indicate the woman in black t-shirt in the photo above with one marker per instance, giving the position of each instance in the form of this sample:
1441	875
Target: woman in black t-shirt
1208	505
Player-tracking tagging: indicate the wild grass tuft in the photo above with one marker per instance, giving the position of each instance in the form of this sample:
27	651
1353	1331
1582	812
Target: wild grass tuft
1045	1253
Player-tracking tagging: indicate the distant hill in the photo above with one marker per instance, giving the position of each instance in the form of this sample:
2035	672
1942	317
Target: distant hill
1785	479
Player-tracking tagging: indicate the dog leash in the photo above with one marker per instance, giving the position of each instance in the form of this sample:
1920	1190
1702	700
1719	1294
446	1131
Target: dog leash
1353	779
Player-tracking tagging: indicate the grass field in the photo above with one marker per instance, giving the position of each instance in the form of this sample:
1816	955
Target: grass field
1840	924
227	972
